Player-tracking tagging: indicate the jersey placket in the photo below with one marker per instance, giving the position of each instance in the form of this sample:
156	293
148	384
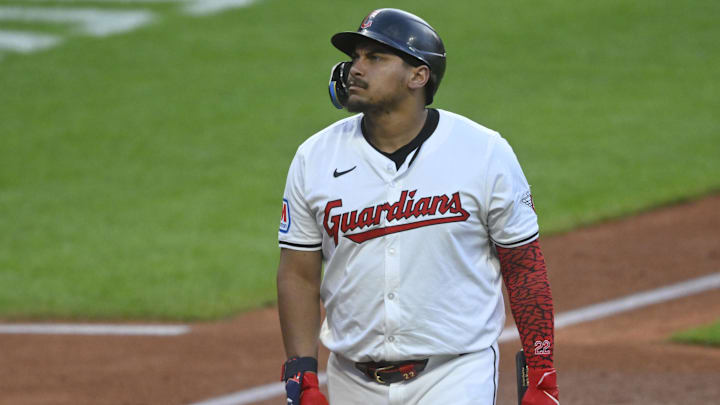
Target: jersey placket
392	180
393	261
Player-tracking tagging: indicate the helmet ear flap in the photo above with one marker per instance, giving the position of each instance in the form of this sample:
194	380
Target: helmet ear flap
338	84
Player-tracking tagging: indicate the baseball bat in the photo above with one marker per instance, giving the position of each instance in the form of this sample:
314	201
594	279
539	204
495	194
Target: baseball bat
522	375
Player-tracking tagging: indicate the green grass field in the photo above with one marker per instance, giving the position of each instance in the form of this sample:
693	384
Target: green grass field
708	335
141	174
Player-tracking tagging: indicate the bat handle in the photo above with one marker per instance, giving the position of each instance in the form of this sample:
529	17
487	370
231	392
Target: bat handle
522	375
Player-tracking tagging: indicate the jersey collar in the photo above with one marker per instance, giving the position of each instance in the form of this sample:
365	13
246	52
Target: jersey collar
400	155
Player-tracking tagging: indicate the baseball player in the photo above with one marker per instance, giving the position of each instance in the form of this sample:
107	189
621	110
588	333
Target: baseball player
417	215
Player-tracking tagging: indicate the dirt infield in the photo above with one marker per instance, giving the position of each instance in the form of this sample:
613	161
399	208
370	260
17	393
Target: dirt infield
623	359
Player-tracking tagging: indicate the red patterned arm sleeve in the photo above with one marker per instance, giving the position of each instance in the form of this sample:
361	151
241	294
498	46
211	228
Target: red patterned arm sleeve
523	270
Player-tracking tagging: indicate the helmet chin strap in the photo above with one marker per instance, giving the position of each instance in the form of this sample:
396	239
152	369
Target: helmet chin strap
338	84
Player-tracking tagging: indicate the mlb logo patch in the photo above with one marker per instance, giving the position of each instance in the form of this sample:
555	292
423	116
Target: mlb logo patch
285	217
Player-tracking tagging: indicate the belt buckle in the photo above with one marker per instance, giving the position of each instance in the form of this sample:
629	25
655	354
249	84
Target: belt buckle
377	377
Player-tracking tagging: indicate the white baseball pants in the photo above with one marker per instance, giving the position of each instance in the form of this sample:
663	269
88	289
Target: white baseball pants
470	379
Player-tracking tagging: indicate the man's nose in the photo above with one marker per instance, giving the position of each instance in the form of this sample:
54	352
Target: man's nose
356	69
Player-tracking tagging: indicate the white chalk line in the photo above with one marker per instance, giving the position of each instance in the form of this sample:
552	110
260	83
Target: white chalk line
253	395
109	1
94	329
193	7
627	303
94	21
580	315
24	42
207	7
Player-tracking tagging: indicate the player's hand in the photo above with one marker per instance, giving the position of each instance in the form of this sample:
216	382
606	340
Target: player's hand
542	388
301	382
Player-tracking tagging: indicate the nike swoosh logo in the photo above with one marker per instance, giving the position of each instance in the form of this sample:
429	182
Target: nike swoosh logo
338	174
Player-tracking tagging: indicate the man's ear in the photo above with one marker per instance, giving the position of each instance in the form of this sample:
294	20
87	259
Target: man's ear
419	77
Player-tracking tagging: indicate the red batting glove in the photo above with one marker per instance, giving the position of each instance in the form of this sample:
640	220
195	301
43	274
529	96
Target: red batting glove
301	382
310	394
542	388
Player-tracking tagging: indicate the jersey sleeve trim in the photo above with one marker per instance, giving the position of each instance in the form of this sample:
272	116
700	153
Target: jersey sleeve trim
300	246
518	243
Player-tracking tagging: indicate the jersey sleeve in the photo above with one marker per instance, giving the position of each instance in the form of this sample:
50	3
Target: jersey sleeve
298	228
511	214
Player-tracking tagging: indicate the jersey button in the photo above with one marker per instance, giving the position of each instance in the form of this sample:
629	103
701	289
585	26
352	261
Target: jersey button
391	251
391	296
391	339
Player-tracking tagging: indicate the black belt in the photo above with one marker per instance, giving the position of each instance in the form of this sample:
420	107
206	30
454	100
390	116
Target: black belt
388	372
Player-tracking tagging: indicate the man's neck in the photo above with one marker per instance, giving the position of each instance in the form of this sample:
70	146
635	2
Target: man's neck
389	131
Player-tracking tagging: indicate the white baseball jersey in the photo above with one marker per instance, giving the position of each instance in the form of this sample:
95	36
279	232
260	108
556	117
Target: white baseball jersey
409	264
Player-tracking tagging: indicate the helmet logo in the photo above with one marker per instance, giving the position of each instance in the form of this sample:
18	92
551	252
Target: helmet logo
367	22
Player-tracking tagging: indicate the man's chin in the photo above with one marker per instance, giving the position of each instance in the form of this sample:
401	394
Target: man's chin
355	106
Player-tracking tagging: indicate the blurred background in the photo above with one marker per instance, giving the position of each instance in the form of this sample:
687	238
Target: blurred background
144	146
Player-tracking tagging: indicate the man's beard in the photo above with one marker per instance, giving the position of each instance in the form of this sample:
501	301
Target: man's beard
354	105
362	105
358	106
